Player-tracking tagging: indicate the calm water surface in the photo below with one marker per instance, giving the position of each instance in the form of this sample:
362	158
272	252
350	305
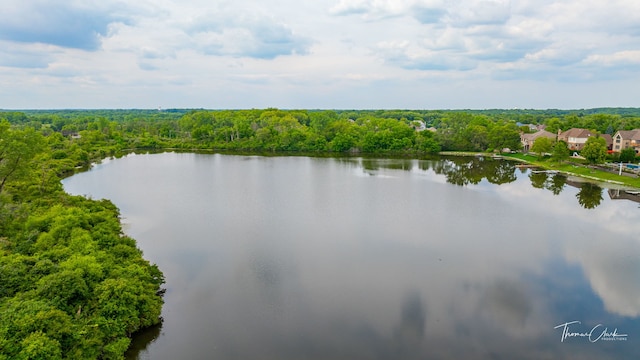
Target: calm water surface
314	258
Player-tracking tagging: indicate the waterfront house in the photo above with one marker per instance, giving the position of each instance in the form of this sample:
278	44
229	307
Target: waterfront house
575	138
528	139
609	141
626	138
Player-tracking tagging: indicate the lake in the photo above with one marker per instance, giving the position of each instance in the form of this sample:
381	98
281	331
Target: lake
357	258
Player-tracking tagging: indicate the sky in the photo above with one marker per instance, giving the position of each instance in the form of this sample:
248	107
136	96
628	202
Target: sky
320	54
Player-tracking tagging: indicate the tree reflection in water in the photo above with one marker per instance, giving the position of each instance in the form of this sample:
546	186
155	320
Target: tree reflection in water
542	180
141	341
590	195
465	171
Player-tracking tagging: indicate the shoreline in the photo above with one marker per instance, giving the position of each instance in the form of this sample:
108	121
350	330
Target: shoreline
595	175
620	181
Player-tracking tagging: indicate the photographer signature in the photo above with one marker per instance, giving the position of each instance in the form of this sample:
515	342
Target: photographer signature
598	332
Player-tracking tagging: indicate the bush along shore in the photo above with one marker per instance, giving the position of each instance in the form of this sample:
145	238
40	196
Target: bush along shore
72	285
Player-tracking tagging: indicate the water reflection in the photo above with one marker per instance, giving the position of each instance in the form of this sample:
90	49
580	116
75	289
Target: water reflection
299	258
589	196
508	303
410	333
143	339
465	171
457	170
557	184
541	180
538	179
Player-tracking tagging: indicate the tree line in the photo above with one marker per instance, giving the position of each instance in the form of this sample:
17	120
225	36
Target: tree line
106	132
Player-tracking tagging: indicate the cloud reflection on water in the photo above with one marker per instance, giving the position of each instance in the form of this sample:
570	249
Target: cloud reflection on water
324	264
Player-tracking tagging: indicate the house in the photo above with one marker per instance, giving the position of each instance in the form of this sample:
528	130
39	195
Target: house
609	141
575	138
418	125
72	134
617	194
626	138
531	127
528	139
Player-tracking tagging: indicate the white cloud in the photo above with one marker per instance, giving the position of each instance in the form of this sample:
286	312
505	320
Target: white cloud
620	58
482	12
249	35
320	53
410	56
370	9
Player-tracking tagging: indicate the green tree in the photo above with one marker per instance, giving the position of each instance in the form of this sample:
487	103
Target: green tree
17	148
39	346
505	136
627	155
542	145
476	136
450	131
425	141
553	125
595	150
560	151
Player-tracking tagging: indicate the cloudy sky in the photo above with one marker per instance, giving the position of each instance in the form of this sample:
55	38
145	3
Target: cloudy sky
320	54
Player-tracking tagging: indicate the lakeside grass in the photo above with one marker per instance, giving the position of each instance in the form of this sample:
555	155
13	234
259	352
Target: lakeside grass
577	169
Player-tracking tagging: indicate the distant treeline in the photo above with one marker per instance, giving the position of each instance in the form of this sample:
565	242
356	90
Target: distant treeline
105	132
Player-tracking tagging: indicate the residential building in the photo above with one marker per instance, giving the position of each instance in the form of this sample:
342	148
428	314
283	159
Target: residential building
626	138
575	138
528	139
532	127
609	141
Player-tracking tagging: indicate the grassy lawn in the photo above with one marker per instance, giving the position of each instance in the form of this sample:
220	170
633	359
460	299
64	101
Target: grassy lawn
578	169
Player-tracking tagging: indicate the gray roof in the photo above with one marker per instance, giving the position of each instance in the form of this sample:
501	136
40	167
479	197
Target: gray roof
576	133
541	133
630	134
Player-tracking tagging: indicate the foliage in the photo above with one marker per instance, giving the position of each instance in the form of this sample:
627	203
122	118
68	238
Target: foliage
505	136
595	150
627	155
542	145
17	148
461	171
589	196
71	285
560	152
101	133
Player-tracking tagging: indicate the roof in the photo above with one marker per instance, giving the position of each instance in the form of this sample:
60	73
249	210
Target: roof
541	133
576	133
630	134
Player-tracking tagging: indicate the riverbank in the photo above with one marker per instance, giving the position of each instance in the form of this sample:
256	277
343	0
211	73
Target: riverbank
568	168
577	169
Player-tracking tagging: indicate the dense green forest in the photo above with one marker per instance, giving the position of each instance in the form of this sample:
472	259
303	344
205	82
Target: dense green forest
72	285
102	133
